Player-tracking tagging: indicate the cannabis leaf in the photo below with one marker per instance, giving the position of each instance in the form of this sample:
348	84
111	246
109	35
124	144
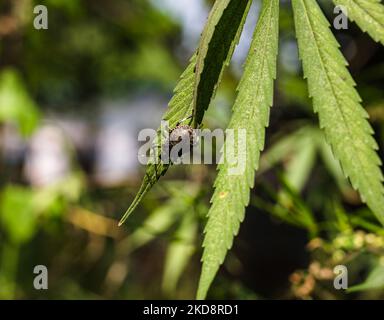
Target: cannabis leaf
368	14
334	97
250	112
214	53
179	107
338	104
215	50
374	281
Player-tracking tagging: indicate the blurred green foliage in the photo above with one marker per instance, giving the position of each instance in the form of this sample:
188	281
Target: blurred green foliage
15	103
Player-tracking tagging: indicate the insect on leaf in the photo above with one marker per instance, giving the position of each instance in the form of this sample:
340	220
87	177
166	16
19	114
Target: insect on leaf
181	105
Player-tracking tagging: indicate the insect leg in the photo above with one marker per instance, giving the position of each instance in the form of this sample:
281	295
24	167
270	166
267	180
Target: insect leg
182	120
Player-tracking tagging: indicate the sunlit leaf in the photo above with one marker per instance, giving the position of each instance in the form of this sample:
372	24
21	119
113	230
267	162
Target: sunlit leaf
250	112
338	104
368	14
222	31
181	105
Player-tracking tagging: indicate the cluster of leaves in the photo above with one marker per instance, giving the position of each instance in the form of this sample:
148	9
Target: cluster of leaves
331	87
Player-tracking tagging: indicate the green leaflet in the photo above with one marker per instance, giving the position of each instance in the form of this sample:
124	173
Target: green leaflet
368	14
181	105
374	281
338	104
250	112
217	44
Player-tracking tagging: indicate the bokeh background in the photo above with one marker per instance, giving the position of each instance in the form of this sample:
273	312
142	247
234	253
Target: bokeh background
72	101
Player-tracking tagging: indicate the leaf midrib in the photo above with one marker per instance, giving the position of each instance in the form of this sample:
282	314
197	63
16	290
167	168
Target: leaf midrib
264	59
264	55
